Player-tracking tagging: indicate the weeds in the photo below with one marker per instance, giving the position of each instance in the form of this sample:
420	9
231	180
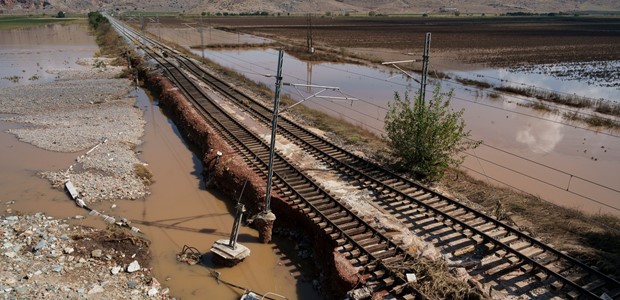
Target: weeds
13	79
477	83
592	120
568	100
436	281
494	95
538	105
143	173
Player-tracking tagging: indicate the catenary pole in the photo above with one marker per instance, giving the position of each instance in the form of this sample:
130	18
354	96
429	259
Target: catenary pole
274	127
425	59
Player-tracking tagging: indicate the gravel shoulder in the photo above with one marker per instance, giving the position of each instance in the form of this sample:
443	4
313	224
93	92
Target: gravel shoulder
91	113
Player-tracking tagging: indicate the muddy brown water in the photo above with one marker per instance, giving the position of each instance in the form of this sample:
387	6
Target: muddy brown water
179	211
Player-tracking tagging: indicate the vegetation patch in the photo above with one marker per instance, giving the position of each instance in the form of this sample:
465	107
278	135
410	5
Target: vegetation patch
538	105
143	173
12	22
477	83
13	79
592	120
110	44
426	138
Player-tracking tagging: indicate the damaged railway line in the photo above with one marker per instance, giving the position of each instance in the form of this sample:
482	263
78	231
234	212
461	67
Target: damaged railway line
498	255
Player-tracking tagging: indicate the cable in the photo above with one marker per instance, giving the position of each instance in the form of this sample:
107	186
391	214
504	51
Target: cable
549	167
348	117
457	98
461	99
539	180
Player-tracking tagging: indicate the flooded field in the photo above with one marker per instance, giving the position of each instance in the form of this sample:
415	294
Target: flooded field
179	211
27	55
537	152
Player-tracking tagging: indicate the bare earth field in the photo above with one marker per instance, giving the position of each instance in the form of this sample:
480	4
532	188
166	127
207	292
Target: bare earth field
497	41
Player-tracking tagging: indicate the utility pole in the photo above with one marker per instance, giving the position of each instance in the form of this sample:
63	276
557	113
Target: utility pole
425	59
158	27
202	41
266	218
274	128
309	34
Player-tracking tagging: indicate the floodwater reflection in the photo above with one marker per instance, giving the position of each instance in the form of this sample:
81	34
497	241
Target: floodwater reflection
540	137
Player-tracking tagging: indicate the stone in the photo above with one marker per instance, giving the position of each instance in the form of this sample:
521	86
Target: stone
131	284
12	218
57	268
68	250
115	270
96	289
133	266
40	245
97	253
152	292
10	254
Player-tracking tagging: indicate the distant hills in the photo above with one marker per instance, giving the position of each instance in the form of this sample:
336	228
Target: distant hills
335	7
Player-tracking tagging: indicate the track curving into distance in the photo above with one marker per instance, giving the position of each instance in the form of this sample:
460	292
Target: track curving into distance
455	227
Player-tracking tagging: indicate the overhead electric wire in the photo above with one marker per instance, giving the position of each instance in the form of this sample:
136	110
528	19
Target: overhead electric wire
457	98
548	167
545	182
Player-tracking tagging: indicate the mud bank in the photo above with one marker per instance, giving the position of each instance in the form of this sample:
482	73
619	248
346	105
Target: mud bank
229	173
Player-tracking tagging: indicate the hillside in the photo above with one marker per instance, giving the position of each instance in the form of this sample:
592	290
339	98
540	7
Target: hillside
315	6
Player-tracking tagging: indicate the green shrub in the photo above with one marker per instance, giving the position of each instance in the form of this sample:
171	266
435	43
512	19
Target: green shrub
426	138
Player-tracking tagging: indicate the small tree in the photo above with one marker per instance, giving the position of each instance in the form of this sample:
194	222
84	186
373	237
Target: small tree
426	138
61	14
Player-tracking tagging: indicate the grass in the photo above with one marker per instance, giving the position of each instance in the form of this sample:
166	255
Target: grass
13	22
538	105
143	173
592	120
494	95
109	42
568	100
477	83
13	79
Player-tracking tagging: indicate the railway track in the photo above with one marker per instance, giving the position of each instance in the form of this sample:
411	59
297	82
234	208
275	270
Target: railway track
364	246
517	261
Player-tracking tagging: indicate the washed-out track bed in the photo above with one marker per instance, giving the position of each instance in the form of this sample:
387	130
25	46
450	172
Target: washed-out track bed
504	257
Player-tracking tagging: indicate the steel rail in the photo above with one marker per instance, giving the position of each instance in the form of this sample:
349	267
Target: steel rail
310	141
352	170
232	135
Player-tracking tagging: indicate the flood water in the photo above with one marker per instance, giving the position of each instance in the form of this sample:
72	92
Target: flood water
532	151
179	211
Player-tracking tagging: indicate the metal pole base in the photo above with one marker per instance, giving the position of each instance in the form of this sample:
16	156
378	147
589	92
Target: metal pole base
225	255
264	224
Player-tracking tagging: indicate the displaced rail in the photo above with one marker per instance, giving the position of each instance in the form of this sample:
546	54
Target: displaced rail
505	255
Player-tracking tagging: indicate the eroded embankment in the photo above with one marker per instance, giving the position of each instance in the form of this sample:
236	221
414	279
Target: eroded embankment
229	174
